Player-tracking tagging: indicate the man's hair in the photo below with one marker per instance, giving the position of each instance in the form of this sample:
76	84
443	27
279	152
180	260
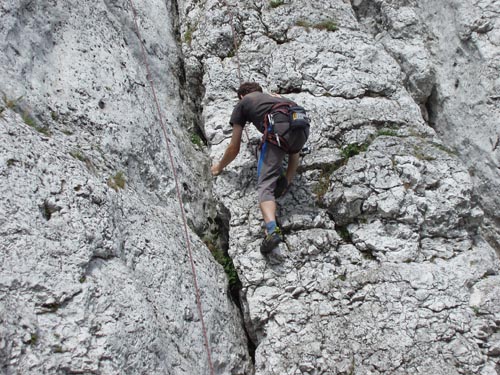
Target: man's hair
247	88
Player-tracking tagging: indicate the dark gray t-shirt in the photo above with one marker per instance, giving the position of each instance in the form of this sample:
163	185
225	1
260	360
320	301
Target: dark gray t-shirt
253	107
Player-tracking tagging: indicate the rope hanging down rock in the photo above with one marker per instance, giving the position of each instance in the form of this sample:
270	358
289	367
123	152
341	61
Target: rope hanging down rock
179	197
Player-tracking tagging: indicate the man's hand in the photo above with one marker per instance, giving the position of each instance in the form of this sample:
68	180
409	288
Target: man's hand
231	151
216	169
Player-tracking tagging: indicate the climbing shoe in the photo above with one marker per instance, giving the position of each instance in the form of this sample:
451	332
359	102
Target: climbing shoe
271	241
281	187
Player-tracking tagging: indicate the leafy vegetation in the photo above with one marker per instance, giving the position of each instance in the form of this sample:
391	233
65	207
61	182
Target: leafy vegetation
353	149
387	132
30	121
276	3
188	35
224	260
196	140
33	339
117	181
445	149
324	181
343	233
77	154
328	25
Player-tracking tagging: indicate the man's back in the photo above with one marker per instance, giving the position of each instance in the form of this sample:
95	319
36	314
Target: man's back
253	107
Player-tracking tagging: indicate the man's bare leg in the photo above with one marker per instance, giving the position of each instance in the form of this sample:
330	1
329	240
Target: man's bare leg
268	209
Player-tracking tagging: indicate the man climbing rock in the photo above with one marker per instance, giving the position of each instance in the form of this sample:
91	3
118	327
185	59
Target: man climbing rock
285	129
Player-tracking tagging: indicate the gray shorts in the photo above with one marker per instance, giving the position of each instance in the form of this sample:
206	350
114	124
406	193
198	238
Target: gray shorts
270	161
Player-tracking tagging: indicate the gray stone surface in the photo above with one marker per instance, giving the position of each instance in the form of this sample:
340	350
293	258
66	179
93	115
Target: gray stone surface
384	270
95	278
449	52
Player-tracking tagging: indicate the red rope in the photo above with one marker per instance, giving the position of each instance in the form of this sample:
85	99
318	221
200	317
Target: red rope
183	214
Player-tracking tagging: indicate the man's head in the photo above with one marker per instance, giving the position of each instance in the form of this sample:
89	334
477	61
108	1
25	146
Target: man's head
247	88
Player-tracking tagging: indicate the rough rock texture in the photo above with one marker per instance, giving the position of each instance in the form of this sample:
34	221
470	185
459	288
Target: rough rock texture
94	273
384	270
450	54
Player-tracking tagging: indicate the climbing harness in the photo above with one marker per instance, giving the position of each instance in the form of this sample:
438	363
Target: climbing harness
297	119
179	196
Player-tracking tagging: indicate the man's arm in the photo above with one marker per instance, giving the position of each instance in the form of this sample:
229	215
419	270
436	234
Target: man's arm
231	152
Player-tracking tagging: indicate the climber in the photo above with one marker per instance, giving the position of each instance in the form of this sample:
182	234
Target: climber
285	129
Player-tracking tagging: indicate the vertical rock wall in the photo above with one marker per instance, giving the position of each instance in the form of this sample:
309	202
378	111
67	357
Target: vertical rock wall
384	270
450	52
94	273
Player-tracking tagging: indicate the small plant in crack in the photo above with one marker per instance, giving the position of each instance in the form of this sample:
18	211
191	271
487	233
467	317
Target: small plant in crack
30	121
445	149
10	103
33	339
353	149
196	140
420	154
387	133
324	181
343	232
188	35
276	3
328	25
117	181
224	260
78	155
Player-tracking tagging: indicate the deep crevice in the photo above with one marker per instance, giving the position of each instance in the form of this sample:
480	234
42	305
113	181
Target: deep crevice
216	235
431	108
189	92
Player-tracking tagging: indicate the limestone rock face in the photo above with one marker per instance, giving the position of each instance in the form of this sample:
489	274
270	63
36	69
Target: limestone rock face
94	272
450	55
387	265
384	269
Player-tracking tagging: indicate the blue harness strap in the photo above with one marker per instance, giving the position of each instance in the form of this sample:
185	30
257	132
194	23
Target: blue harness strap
261	158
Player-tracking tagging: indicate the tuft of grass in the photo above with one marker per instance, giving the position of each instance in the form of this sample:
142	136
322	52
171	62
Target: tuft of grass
33	339
188	35
276	3
82	279
303	23
117	181
30	121
387	132
11	103
445	149
224	260
344	233
328	25
353	149
57	349
196	140
419	153
77	154
324	181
